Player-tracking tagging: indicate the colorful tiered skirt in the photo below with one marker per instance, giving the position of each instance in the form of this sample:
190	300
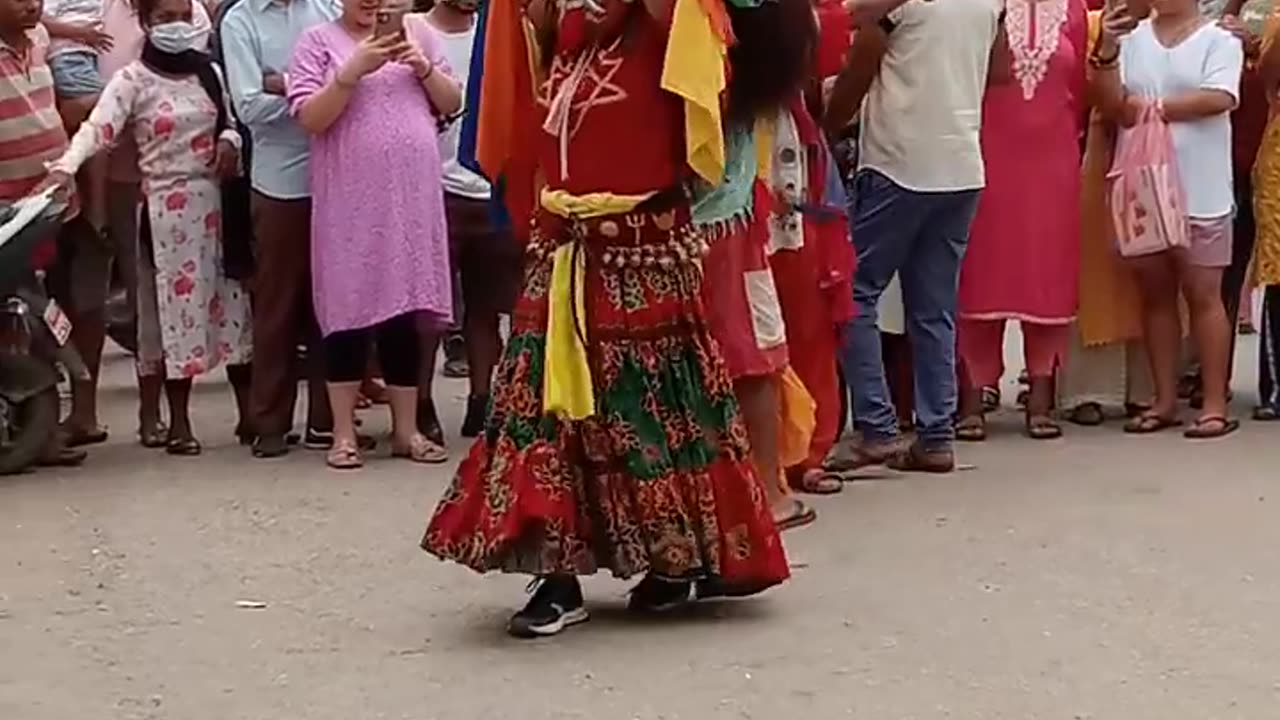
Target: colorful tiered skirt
658	478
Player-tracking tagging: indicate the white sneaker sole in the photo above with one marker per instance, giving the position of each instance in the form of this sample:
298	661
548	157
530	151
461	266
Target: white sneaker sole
576	616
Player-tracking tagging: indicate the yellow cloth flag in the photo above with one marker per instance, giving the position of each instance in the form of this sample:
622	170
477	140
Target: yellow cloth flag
566	373
694	70
765	131
798	420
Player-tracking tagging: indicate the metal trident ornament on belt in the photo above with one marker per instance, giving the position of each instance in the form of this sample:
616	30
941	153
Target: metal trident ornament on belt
636	223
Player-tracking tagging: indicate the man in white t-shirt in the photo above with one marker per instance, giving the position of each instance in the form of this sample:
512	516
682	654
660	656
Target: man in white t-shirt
920	172
486	257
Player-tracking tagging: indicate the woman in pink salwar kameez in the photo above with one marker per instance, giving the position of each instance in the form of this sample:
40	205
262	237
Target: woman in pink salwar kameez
1023	257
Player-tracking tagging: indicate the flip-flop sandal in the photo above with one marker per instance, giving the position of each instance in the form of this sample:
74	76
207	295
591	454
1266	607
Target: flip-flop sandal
184	447
344	456
1149	423
819	482
423	450
1133	410
1221	427
1043	427
80	437
800	515
1087	415
1266	413
971	429
990	399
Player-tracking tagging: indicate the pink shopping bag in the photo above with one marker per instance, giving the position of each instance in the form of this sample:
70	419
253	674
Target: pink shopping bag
1147	201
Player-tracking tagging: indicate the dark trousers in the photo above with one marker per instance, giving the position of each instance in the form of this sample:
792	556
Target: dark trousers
1244	235
346	352
283	318
1269	350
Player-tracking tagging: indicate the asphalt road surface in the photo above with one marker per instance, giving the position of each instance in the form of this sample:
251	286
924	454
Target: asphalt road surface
1101	576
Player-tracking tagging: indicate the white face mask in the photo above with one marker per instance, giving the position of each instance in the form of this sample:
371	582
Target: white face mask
179	37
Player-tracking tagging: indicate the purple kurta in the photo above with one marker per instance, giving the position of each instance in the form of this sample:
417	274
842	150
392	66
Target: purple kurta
379	245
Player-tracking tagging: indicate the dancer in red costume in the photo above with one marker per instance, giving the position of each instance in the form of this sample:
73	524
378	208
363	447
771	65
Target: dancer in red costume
614	442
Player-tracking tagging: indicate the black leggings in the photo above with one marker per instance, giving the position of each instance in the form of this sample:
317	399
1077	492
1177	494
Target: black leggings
347	352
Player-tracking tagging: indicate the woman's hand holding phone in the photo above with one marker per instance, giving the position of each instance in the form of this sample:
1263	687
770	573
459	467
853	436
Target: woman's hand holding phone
371	54
1117	21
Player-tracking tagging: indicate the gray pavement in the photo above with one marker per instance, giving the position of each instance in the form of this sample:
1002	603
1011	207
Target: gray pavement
1101	576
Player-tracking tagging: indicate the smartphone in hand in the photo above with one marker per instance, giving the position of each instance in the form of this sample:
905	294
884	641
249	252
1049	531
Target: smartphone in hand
390	22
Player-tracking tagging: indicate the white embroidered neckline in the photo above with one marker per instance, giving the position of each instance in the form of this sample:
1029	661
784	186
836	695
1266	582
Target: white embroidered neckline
1031	59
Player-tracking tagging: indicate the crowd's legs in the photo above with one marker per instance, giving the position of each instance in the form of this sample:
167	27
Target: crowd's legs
428	417
981	345
346	358
1269	356
1104	380
487	280
283	316
922	236
1159	278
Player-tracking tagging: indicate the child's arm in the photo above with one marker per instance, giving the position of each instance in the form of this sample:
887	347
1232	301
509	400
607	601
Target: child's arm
91	35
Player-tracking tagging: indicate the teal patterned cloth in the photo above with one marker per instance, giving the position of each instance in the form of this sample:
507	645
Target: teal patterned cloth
732	198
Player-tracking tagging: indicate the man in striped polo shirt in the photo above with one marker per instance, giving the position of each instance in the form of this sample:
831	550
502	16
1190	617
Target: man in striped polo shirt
31	132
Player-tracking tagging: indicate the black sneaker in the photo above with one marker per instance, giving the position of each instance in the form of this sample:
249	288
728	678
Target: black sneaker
556	605
477	413
658	595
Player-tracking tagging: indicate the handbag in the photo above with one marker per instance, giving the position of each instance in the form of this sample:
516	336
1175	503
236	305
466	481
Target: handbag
1147	201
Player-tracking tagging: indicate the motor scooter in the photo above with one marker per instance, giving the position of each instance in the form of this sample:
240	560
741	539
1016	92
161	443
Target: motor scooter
34	337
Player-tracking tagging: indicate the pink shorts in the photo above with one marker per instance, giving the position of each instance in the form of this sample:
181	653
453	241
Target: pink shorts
1211	242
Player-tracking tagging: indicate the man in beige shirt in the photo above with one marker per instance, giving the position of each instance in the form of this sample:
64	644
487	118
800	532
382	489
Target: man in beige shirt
923	66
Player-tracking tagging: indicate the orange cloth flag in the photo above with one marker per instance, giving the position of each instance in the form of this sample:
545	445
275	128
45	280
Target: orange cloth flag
506	127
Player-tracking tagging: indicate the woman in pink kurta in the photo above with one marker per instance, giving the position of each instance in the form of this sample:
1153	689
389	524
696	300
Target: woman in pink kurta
1023	257
379	246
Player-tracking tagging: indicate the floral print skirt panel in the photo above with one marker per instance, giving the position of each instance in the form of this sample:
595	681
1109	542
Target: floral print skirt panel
204	316
658	479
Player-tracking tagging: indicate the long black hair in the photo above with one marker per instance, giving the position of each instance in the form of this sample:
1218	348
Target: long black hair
773	57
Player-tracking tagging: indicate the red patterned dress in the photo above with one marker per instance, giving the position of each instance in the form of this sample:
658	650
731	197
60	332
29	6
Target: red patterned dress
658	478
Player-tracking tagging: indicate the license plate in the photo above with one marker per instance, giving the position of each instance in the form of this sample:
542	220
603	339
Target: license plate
58	322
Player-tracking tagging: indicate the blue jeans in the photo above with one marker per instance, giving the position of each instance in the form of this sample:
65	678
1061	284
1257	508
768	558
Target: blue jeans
921	237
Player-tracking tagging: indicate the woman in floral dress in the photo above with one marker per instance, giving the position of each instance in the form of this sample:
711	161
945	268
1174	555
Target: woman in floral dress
172	102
